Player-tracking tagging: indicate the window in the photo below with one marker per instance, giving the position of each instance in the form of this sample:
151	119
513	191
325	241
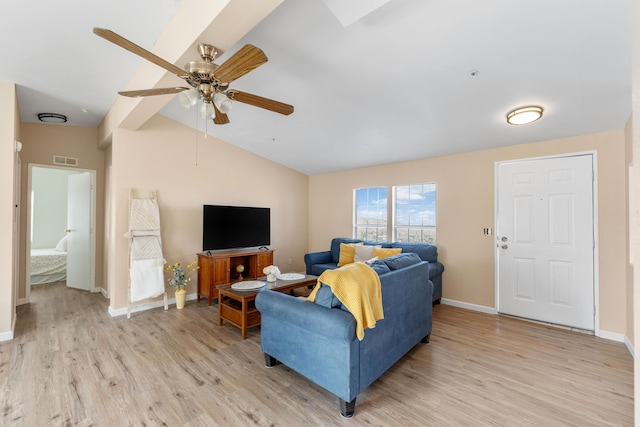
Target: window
414	213
370	222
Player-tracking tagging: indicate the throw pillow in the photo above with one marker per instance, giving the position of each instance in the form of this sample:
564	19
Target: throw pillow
386	252
347	253
364	252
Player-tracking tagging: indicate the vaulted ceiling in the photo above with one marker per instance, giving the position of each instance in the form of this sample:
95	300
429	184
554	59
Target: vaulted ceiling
372	82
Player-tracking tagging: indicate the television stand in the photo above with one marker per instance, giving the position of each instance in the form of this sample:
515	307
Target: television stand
217	268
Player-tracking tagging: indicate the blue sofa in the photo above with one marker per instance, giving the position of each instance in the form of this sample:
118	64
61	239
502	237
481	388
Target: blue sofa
318	340
317	262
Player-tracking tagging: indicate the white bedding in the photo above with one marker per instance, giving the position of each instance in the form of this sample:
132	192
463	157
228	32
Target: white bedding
48	265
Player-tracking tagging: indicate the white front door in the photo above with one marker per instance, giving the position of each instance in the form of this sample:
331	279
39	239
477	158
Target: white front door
545	240
79	240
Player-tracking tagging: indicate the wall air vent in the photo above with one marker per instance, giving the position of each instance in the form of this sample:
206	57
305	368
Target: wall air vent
65	161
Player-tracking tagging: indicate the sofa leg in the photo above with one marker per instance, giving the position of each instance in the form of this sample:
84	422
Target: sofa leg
347	408
270	361
425	340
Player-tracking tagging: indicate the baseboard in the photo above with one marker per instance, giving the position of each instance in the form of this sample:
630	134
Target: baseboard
104	293
613	336
629	345
147	306
8	336
468	306
22	301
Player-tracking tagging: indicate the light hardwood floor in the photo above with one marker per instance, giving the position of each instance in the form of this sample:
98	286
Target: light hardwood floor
70	363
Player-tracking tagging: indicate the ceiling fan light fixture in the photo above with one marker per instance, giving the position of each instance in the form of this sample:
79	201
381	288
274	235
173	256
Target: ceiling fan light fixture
52	118
188	98
524	115
207	111
222	102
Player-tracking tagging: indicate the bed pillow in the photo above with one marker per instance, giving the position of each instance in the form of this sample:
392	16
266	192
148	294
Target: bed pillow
62	245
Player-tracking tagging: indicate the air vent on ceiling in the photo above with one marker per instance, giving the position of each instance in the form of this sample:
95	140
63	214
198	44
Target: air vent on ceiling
65	161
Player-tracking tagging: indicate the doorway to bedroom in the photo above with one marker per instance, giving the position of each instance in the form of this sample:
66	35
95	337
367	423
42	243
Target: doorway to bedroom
60	239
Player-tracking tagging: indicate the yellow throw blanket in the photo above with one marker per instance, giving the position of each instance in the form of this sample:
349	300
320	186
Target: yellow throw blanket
358	287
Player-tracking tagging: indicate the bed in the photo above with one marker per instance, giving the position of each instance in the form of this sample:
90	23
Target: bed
49	264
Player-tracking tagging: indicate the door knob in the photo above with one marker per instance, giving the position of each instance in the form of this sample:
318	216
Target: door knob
504	246
504	239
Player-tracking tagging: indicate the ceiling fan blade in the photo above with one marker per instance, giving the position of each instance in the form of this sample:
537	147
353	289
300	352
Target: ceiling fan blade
220	118
134	48
259	101
246	59
151	92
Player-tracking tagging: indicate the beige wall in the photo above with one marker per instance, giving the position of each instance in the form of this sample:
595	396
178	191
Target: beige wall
39	143
162	155
465	205
9	132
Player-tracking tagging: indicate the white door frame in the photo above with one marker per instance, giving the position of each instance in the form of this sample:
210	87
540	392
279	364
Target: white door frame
596	248
92	242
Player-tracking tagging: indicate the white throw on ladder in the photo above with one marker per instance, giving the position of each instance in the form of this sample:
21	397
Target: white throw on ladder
145	250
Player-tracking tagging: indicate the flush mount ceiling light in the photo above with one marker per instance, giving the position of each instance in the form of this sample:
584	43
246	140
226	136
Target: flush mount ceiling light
52	118
524	115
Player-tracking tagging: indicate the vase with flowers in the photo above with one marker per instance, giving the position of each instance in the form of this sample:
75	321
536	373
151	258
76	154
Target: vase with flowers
272	272
179	280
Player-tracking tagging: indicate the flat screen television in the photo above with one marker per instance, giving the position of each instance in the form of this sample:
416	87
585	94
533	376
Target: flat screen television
228	227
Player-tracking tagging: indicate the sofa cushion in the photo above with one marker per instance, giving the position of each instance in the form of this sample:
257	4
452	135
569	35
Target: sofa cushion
385	252
399	261
379	267
425	251
335	246
347	253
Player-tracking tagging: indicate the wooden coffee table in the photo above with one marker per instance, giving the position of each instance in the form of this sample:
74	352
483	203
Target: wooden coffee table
239	307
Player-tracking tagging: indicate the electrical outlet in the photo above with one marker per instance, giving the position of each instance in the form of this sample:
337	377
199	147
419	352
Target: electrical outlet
487	231
290	261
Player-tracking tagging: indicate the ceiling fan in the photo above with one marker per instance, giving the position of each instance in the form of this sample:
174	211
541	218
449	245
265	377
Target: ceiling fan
208	81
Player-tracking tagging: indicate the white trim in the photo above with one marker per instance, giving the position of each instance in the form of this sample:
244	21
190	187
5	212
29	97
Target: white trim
612	336
9	335
596	248
104	292
146	306
468	306
22	301
629	345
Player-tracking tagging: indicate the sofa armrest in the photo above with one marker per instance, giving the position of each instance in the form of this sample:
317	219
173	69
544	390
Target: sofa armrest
313	258
334	324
